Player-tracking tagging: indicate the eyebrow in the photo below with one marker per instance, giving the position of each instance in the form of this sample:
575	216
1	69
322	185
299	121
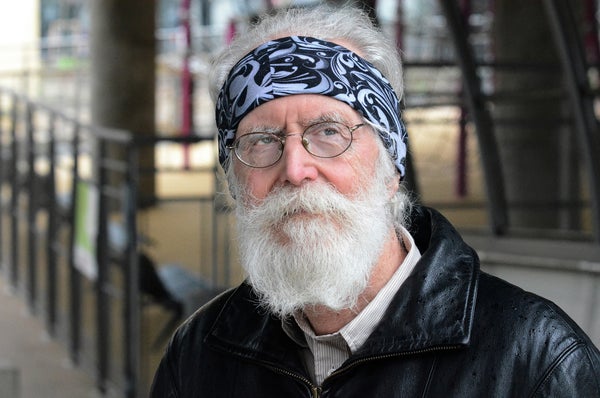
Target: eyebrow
322	118
261	129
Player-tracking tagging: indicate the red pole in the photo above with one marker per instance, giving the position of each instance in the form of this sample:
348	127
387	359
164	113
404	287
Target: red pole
399	25
591	33
187	82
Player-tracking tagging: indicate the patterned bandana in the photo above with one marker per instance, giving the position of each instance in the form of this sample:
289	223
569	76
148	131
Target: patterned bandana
305	65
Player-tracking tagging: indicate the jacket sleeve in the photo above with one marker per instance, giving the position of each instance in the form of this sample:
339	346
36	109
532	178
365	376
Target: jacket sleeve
575	373
176	375
163	385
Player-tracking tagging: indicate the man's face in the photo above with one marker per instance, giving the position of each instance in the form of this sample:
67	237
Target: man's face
297	167
311	229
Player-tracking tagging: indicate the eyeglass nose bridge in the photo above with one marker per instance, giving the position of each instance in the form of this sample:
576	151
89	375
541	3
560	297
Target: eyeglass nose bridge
304	141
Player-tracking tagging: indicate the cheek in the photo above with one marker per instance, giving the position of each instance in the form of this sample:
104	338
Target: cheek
254	183
257	187
358	171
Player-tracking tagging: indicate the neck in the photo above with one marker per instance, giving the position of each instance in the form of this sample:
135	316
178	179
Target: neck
324	320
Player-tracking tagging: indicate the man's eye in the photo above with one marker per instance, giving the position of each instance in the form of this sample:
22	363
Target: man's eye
330	131
266	140
326	130
260	139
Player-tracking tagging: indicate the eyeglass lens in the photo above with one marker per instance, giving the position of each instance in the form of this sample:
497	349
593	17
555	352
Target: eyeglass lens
325	140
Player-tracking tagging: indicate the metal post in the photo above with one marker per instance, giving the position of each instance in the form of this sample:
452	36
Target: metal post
187	82
3	162
102	305
32	196
566	36
132	316
14	196
74	276
488	147
52	232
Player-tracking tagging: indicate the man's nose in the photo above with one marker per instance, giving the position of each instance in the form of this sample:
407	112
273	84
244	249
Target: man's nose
298	166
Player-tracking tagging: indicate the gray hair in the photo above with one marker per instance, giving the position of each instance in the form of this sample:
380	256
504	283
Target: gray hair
348	24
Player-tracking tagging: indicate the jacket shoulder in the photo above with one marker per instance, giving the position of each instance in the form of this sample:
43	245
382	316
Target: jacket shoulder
537	337
182	351
198	325
523	310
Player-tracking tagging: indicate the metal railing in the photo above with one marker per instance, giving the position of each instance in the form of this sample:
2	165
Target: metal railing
64	188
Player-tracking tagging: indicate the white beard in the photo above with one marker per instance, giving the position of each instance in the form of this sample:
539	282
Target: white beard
312	246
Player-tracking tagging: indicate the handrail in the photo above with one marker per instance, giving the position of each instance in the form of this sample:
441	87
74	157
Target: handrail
29	141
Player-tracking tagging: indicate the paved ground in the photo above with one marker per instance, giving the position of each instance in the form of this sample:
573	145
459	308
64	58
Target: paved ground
44	369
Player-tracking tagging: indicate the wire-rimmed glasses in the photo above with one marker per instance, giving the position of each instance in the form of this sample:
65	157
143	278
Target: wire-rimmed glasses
323	140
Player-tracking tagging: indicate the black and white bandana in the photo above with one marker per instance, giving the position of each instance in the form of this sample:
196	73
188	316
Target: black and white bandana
305	65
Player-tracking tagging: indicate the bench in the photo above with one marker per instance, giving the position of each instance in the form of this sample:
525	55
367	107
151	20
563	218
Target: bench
176	289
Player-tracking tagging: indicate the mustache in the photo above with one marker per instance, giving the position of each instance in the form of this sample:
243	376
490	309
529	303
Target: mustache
316	198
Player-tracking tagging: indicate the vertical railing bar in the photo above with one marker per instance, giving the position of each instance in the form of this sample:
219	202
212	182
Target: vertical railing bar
3	174
132	316
74	276
32	195
102	329
52	232
14	199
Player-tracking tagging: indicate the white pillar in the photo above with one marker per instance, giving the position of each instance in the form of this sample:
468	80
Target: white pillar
19	38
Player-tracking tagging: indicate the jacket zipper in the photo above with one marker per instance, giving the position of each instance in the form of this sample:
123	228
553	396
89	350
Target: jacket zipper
316	390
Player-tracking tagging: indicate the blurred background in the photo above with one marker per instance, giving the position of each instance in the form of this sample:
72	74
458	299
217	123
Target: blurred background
114	221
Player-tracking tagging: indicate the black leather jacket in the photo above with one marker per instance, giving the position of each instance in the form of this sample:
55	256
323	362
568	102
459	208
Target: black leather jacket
451	331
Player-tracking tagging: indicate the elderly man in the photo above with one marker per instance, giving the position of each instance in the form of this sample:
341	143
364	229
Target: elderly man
351	290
